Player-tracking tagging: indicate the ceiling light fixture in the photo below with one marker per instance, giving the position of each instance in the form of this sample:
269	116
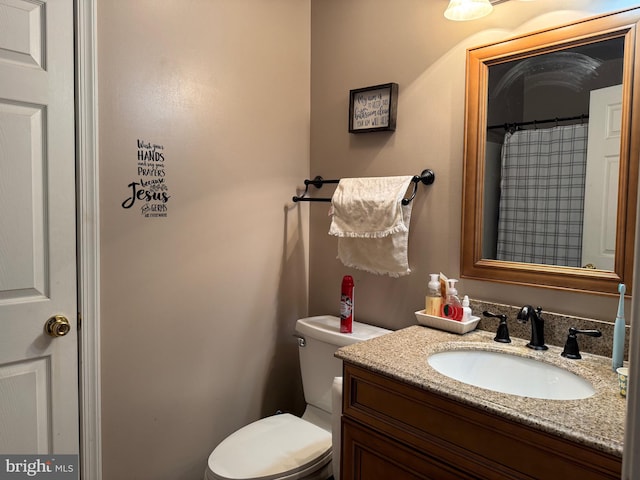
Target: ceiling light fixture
461	10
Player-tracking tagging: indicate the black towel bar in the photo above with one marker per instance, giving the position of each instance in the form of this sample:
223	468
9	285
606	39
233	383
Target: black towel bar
427	177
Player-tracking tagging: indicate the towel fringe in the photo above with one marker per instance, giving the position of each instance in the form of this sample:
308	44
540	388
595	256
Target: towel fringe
399	228
375	272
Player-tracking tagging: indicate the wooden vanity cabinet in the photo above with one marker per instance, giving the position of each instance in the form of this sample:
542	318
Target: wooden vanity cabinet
394	431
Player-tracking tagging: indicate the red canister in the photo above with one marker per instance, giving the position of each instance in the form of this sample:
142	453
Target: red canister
346	305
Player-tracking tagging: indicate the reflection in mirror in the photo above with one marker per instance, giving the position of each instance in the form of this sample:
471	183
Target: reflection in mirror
550	165
541	163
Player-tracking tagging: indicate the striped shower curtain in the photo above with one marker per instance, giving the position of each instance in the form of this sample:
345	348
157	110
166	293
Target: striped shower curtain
542	196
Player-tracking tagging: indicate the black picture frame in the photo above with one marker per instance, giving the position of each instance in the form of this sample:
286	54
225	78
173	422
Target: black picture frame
373	109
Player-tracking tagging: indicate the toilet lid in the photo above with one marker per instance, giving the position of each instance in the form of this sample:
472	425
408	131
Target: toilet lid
272	447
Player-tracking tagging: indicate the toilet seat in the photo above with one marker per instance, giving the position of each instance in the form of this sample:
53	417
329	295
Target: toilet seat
277	447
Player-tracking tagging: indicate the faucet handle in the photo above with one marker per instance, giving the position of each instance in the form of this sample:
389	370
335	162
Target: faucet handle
571	349
526	311
502	335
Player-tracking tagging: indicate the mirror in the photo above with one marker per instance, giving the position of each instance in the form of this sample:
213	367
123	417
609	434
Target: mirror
550	165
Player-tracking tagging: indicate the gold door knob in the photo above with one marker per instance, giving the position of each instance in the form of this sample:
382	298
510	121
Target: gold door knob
57	326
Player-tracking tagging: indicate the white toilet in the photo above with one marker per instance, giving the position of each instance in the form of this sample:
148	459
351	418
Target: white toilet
285	446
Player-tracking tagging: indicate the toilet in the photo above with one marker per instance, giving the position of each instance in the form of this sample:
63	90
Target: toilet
285	446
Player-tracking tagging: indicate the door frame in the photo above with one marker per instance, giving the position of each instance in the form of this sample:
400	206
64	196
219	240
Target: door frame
631	455
88	235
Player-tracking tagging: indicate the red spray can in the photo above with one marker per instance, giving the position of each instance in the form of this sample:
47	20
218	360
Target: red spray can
346	305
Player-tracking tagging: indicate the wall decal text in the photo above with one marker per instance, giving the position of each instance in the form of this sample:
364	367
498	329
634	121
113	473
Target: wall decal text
149	191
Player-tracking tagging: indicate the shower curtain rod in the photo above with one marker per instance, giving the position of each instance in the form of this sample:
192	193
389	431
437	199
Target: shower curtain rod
514	125
427	177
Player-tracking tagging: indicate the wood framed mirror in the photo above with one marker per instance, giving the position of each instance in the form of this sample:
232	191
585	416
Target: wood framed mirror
551	157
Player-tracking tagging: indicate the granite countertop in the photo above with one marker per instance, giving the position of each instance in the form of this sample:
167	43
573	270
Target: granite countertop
597	421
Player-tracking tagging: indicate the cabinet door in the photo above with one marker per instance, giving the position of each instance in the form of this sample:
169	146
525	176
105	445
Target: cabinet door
368	455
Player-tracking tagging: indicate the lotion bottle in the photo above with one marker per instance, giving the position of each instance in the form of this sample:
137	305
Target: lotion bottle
466	309
433	303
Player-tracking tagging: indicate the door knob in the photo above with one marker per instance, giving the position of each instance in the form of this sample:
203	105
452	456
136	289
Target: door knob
57	326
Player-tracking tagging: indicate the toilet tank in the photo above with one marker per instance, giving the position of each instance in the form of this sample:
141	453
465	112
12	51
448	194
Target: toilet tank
318	365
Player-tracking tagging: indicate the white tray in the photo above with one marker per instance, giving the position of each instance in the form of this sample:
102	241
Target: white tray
453	326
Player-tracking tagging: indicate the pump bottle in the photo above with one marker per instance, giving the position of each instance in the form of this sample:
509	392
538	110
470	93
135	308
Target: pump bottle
452	307
433	302
452	293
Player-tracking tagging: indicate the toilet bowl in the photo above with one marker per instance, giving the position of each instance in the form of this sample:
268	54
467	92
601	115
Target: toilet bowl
284	446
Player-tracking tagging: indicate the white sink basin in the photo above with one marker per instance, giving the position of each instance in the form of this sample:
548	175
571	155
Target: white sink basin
511	374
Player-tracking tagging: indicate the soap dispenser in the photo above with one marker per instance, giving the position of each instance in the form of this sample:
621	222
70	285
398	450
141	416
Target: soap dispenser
433	303
452	307
452	293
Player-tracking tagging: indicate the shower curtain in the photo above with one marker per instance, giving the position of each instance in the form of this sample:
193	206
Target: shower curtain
542	196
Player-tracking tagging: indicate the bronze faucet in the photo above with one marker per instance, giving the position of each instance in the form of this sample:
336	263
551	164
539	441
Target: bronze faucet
537	326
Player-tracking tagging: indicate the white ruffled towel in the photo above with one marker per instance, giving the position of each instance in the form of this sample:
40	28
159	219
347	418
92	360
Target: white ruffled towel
372	225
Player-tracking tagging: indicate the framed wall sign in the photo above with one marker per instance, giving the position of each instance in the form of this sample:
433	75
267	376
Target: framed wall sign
373	109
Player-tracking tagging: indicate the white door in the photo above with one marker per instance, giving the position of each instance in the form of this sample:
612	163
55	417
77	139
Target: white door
601	183
38	372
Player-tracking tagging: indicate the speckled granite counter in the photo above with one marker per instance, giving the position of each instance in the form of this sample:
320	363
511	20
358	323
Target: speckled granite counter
597	421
